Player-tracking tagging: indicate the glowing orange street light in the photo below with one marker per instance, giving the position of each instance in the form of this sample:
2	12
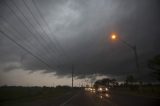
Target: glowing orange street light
114	36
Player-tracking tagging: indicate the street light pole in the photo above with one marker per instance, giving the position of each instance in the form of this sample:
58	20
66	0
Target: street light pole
134	48
136	58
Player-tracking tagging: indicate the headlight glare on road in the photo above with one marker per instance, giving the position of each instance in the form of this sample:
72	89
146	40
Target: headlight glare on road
101	97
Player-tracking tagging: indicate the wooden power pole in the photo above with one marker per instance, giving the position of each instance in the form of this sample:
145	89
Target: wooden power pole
72	75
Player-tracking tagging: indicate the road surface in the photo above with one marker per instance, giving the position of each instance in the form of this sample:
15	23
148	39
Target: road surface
89	99
86	98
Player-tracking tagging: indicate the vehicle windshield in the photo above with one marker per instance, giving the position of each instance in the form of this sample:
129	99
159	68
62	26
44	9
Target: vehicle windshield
79	53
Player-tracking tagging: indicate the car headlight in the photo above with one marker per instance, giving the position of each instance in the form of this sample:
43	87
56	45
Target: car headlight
106	89
100	89
107	95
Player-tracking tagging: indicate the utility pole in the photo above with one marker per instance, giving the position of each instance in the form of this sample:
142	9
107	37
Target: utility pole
72	74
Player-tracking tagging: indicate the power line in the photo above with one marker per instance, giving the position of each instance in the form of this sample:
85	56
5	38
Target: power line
49	28
17	31
39	24
30	24
29	30
47	47
28	51
19	18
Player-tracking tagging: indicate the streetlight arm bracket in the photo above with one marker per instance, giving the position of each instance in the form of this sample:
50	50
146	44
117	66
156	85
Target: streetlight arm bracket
129	45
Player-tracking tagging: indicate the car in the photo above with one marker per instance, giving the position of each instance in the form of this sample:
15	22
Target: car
102	92
102	89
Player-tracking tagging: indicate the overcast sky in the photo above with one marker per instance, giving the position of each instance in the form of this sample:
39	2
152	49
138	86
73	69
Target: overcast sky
59	34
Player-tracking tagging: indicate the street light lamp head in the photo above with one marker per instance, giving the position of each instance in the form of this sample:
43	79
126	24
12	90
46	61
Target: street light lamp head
113	37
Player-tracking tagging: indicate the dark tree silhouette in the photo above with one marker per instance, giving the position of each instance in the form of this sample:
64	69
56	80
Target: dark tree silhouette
130	80
114	82
106	82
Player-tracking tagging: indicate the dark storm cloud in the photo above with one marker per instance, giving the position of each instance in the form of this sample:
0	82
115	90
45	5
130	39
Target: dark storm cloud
78	34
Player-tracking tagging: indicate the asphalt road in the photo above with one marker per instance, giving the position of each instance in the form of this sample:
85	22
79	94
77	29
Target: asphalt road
86	98
90	99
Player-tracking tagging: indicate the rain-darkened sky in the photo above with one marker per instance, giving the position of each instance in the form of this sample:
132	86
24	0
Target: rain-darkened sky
40	40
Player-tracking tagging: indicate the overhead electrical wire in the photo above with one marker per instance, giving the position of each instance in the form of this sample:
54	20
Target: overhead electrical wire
47	47
49	29
24	48
49	38
32	33
15	30
26	19
24	26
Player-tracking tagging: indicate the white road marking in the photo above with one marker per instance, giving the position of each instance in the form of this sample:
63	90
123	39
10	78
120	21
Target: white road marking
63	104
